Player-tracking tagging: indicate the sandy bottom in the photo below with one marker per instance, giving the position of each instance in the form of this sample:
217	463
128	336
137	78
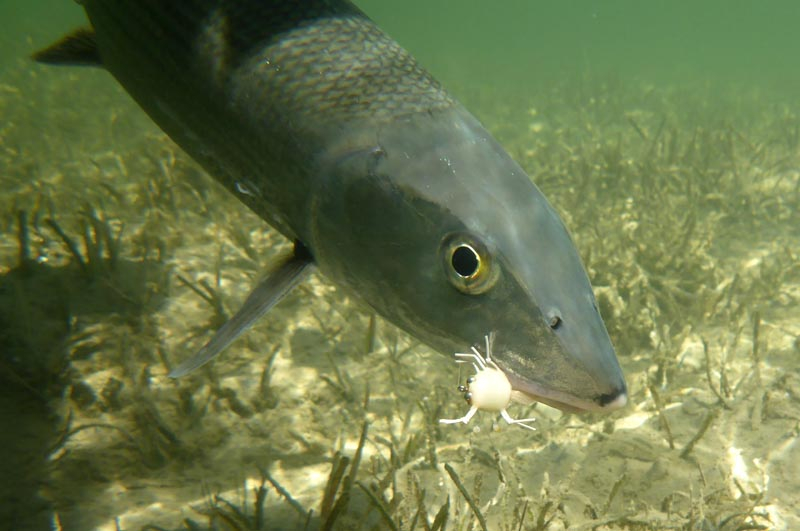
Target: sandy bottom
312	420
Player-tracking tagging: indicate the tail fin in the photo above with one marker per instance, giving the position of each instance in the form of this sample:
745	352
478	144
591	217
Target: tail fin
77	48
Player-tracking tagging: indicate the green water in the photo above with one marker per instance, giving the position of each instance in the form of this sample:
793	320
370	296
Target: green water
666	134
518	41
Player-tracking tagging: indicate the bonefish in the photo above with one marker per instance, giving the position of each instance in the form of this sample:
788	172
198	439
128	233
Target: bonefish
333	134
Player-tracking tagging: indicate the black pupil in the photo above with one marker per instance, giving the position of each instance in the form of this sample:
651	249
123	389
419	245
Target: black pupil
465	261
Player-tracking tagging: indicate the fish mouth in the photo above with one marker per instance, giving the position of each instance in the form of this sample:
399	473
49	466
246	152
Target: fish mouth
529	391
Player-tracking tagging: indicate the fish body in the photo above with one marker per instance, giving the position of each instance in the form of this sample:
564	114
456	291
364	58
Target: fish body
331	132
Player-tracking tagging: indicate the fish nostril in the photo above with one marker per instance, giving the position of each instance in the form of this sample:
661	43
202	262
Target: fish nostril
556	322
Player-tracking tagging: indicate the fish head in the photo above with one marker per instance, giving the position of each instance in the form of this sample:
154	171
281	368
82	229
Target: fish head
442	233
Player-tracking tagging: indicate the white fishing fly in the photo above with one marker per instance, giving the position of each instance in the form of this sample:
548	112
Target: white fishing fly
487	390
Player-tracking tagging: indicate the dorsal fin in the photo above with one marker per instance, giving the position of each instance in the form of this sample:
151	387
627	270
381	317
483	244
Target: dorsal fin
77	48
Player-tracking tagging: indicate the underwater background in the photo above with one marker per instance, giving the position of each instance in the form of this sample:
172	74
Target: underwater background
666	134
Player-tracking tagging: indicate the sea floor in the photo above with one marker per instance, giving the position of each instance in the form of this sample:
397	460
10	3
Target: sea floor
119	256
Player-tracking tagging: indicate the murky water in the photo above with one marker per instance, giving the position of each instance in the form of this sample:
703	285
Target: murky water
667	135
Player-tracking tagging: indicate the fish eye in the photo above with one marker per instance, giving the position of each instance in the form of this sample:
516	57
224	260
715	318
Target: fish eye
468	264
465	260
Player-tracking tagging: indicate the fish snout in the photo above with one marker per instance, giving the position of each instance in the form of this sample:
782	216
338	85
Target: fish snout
563	382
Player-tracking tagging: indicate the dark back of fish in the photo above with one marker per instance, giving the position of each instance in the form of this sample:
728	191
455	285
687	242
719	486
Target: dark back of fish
253	89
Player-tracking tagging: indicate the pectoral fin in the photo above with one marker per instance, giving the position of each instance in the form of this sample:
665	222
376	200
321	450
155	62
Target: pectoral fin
288	274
